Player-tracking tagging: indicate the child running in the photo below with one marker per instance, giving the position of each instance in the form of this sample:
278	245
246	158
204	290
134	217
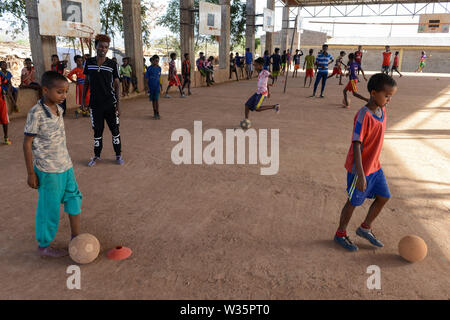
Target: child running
173	77
153	76
262	91
309	62
49	166
78	72
4	119
353	68
395	65
337	70
365	178
422	63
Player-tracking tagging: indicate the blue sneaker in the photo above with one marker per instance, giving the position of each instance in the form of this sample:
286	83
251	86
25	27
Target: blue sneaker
93	161
369	236
346	243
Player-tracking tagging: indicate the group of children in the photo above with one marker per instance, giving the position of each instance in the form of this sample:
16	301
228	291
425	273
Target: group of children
50	169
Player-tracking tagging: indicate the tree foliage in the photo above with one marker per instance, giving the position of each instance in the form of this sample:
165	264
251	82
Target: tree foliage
15	8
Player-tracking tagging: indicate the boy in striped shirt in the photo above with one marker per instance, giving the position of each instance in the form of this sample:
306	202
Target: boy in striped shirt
323	60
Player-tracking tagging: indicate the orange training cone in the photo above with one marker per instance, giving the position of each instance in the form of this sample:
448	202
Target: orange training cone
119	253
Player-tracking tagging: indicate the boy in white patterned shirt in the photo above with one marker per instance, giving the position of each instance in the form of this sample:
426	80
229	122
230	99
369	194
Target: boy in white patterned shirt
51	170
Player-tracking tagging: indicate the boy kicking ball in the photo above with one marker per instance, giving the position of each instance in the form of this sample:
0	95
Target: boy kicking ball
49	166
365	178
254	103
353	69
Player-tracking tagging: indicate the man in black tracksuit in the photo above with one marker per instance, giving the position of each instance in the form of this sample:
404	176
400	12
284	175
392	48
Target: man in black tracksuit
102	78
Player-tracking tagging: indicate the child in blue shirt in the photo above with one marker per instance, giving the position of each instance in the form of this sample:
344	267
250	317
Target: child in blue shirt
153	76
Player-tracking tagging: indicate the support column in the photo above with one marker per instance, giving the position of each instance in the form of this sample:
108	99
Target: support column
224	43
284	29
250	26
269	35
131	10
187	30
42	47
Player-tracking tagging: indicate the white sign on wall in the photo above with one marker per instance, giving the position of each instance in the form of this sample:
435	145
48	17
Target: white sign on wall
69	18
269	20
210	18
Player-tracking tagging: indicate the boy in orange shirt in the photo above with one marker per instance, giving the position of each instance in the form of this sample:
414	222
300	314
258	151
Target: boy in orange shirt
365	178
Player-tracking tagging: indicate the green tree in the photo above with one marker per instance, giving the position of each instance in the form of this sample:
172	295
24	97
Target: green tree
15	8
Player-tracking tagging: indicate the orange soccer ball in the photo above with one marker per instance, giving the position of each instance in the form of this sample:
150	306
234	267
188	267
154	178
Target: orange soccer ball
412	248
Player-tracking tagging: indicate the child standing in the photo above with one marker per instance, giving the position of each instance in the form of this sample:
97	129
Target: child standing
4	119
266	60
173	77
358	56
324	59
276	65
233	68
395	65
153	76
125	74
386	60
78	72
186	72
365	178
8	89
255	101
49	166
249	63
353	69
240	64
309	62
296	59
337	70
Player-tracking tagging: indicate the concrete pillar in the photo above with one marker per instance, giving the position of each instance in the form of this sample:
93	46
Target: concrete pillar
187	30
269	35
285	29
250	26
42	47
224	43
131	10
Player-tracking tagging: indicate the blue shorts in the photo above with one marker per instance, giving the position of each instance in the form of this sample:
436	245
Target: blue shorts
376	186
154	94
255	101
127	78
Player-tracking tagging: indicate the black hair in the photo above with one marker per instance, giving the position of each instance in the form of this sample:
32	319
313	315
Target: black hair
201	53
76	58
396	52
351	56
266	52
27	59
247	49
55	55
155	56
342	52
2	62
378	82
49	78
173	54
324	45
185	55
311	50
277	49
260	61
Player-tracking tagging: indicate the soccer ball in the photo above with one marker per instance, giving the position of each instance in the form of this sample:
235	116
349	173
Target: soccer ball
246	124
84	248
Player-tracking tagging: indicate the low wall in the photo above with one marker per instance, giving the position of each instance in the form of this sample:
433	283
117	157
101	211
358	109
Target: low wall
27	98
438	61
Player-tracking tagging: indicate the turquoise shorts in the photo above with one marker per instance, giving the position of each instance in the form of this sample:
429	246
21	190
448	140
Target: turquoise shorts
55	189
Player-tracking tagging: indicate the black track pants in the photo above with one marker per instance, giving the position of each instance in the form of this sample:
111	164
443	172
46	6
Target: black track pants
98	117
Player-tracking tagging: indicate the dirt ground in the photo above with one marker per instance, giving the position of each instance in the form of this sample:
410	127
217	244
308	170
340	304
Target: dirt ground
227	232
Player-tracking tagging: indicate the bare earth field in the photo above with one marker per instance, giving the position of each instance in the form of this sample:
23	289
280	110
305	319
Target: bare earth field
227	232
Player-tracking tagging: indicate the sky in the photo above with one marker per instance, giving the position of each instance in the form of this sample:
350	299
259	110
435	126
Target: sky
338	30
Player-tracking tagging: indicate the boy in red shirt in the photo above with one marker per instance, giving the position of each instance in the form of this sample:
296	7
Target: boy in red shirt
395	65
78	71
386	60
365	178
